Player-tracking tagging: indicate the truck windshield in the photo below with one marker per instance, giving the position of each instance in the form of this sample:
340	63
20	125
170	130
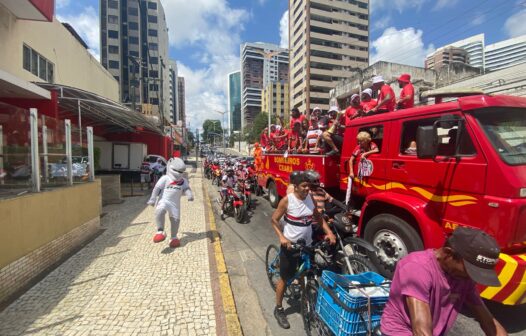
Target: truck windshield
506	129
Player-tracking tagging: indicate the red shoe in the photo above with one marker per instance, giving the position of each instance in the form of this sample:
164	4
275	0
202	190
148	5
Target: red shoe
159	237
175	243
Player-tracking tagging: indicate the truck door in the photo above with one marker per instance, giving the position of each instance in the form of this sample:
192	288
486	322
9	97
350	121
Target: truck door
451	187
121	156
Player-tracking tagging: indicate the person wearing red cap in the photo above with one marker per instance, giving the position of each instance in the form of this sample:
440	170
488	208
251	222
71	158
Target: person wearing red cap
431	287
386	97
407	95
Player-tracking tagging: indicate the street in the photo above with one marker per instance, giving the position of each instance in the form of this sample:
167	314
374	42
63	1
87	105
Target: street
244	247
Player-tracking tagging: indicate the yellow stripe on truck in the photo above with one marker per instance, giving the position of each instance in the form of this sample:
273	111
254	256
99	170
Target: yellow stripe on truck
504	276
521	288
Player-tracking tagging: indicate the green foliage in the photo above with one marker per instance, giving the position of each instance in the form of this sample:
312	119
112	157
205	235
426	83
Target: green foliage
259	124
96	157
211	129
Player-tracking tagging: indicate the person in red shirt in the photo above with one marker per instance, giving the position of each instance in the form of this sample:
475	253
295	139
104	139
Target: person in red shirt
364	148
386	97
264	139
295	140
355	110
407	95
368	102
279	138
295	117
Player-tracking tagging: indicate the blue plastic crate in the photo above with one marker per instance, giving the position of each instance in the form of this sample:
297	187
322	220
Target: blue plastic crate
341	321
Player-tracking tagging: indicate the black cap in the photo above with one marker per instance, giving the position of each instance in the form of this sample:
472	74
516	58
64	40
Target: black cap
480	253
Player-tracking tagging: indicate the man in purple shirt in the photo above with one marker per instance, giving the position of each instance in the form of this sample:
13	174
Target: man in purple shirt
430	287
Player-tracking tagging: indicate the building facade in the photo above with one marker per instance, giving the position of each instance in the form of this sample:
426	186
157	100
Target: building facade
134	48
261	63
506	53
275	100
172	68
181	104
446	56
328	42
234	101
474	46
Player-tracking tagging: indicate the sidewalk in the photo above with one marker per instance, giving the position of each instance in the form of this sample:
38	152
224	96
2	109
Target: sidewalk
123	284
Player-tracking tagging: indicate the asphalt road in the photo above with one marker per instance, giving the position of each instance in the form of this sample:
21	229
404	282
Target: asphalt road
244	247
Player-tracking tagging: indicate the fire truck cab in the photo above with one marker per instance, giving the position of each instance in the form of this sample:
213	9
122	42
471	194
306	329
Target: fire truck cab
469	169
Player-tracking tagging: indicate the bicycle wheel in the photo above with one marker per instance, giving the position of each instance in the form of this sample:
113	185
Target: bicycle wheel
311	321
359	264
272	265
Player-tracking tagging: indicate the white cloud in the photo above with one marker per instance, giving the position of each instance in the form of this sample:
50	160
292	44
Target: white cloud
62	3
515	24
86	23
398	5
400	46
284	30
441	4
479	19
382	23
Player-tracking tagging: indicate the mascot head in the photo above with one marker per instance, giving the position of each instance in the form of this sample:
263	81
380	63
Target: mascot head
175	168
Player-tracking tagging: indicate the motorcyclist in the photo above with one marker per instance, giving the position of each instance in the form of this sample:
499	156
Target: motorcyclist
325	203
229	180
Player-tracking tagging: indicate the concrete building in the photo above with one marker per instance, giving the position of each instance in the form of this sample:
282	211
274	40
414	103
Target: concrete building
473	45
234	100
172	68
506	53
181	104
134	48
446	56
328	41
275	100
261	63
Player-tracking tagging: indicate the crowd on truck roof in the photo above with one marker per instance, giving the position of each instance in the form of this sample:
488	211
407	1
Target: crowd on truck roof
321	132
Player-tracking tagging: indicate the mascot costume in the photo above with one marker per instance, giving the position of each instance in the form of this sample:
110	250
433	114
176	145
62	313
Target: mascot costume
169	189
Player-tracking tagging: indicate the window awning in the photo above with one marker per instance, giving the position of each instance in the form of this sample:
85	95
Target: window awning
96	110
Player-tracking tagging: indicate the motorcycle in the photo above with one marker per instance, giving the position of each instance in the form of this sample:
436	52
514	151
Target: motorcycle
235	205
244	186
216	176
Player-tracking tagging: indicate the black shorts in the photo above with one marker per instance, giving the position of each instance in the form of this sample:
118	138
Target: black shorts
338	140
288	263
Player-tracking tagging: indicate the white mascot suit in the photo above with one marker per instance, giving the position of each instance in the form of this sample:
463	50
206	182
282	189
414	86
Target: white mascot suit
170	188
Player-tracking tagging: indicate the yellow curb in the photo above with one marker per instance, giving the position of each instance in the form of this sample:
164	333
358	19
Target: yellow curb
233	327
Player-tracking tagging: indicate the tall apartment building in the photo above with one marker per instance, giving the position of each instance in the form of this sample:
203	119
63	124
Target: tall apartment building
328	42
261	63
446	56
172	68
234	100
134	49
275	100
474	47
505	53
181	104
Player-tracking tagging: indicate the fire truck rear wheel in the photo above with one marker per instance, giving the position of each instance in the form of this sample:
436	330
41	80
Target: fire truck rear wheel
394	238
273	196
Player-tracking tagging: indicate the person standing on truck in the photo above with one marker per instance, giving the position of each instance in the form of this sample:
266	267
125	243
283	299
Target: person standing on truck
355	109
292	221
368	102
407	95
295	117
333	140
386	97
364	148
312	140
294	139
264	139
431	287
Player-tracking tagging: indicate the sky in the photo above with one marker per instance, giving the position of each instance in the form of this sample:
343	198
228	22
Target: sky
205	35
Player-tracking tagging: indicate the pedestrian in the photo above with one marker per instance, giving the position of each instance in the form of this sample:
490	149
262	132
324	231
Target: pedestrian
431	287
292	221
407	95
386	98
169	189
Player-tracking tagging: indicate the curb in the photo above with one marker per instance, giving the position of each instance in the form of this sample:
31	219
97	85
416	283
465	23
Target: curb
233	327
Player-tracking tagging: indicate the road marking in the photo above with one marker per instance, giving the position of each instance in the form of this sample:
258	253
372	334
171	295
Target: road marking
229	307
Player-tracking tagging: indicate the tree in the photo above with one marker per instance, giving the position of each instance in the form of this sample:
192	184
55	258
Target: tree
211	128
191	138
258	126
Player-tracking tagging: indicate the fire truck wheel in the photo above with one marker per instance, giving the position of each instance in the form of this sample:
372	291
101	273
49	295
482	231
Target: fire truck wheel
394	238
273	196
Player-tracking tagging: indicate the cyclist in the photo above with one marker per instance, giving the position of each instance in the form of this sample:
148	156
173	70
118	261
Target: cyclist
296	212
325	203
228	180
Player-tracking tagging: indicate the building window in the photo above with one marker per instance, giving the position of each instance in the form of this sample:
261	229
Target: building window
113	4
152	5
154	46
133	40
154	60
133	11
152	18
152	32
37	64
50	72
113	34
134	53
113	49
154	87
113	19
27	58
154	101
154	73
133	25
113	64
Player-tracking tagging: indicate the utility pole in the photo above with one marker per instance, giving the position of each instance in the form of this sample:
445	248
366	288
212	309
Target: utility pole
134	80
161	105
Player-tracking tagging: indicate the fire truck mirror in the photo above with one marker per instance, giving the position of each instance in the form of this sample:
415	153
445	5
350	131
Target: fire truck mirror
426	142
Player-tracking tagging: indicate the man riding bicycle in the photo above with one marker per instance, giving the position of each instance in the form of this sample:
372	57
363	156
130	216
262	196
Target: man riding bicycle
292	222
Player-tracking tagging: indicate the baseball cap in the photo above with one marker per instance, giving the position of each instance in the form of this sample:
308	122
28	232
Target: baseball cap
334	108
378	79
317	109
480	253
368	92
354	96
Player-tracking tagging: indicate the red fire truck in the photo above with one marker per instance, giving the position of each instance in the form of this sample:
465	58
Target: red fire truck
470	170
